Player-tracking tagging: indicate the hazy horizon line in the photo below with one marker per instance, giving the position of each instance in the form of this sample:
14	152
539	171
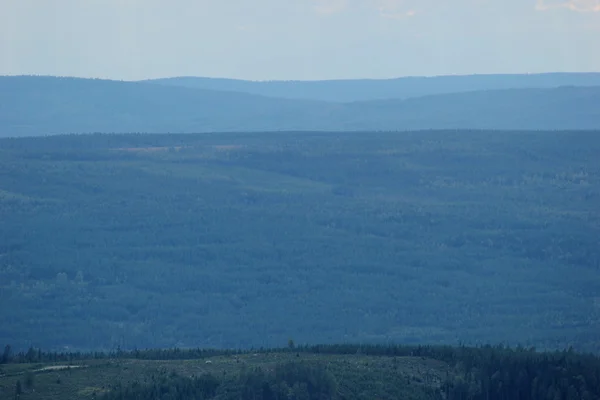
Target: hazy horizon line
309	80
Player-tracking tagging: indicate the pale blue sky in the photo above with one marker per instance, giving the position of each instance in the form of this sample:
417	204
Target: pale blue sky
296	39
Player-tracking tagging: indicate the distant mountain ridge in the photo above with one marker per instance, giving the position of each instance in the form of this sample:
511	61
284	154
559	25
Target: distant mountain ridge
39	105
31	106
378	89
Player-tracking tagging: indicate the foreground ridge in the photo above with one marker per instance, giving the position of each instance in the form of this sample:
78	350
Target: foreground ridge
344	371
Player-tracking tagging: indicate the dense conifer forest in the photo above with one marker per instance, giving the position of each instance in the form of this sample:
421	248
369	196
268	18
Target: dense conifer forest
247	239
173	237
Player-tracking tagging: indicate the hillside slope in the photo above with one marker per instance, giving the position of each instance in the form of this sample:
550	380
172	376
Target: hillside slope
50	105
337	372
45	105
379	89
245	240
546	109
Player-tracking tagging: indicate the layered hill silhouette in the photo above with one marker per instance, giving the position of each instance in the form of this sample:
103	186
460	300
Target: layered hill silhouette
50	105
378	89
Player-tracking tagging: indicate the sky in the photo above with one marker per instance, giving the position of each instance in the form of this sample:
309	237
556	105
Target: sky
296	39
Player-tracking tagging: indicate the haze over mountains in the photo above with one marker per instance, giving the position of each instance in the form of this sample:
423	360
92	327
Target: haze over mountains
378	89
32	105
302	213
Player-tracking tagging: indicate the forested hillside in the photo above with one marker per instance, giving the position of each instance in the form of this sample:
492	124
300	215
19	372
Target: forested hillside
36	106
240	240
295	373
379	89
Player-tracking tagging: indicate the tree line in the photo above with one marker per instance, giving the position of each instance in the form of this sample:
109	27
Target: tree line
479	373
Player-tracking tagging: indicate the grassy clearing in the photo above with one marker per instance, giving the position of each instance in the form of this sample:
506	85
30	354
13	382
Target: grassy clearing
356	375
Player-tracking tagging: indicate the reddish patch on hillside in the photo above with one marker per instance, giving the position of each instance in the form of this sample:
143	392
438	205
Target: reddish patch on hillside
227	146
148	149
